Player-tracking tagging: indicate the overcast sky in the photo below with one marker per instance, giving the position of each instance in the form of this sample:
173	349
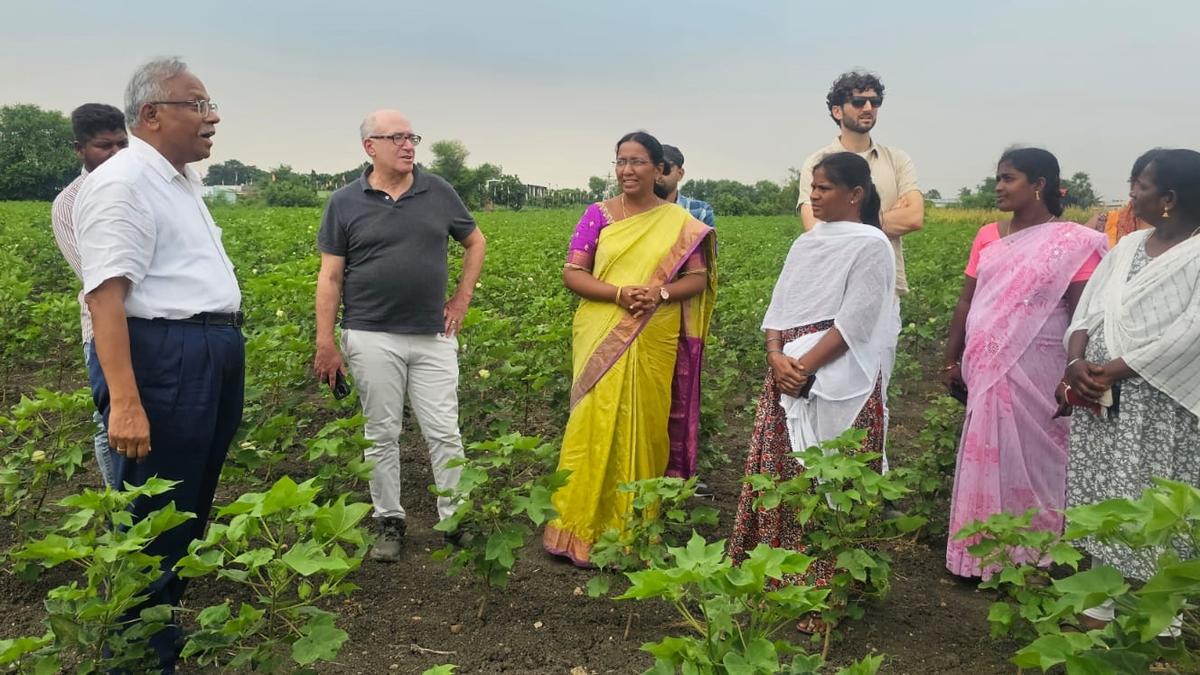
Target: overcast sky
545	88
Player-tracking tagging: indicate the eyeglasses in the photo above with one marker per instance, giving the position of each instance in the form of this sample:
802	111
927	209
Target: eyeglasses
636	162
860	101
203	106
399	139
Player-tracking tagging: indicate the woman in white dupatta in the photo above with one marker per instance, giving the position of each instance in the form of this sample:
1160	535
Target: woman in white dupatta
827	329
1136	333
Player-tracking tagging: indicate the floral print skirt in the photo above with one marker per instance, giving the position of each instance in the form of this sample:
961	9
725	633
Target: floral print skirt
770	453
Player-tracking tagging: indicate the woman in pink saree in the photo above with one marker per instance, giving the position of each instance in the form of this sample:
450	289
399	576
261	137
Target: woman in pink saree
1023	280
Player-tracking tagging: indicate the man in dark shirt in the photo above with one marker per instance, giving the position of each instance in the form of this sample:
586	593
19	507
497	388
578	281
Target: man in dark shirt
384	240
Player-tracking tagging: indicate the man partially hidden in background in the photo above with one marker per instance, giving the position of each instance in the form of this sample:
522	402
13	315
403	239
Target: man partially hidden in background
99	133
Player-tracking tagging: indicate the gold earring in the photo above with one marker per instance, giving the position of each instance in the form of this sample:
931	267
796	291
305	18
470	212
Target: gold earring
1037	194
1166	213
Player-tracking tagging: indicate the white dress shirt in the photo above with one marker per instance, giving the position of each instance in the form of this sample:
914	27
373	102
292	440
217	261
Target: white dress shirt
137	217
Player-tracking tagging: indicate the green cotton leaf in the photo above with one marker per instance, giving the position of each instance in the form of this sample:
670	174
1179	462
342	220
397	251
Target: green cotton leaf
156	614
78	520
321	642
66	631
1000	616
213	616
1050	650
1013	575
51	550
11	651
908	524
307	558
869	665
857	562
340	521
444	669
255	558
500	547
1065	554
1090	588
760	656
705	515
599	585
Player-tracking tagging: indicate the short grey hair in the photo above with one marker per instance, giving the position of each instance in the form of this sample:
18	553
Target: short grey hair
367	127
148	84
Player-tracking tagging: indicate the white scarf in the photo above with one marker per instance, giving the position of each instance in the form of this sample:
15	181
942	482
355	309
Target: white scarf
845	272
1152	321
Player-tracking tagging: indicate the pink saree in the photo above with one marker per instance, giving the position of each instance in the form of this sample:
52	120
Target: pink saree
1013	453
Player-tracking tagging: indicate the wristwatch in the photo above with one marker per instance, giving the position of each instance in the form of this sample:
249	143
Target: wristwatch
664	293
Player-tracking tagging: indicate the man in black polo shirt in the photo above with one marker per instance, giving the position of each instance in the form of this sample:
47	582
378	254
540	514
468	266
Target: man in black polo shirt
384	240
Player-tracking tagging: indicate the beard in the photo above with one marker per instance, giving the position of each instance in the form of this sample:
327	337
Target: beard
661	191
856	126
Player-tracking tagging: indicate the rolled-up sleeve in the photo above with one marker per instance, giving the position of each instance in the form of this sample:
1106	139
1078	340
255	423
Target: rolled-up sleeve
115	233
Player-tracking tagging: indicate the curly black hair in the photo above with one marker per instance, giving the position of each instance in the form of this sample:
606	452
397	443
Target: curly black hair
91	119
845	86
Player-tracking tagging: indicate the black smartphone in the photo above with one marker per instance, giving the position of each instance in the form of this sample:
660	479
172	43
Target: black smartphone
340	388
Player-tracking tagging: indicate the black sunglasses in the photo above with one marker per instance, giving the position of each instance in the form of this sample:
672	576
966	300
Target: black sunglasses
860	101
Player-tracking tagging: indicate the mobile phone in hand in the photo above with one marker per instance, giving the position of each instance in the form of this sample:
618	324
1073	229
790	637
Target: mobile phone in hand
340	388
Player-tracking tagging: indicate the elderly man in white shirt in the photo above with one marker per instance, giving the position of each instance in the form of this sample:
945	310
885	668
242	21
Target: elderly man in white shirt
168	364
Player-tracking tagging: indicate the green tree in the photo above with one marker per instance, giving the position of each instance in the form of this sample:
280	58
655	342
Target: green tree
509	191
233	172
598	188
450	162
983	197
1079	191
285	187
932	195
36	158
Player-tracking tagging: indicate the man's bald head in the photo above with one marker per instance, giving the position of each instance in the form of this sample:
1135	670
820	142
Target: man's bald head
381	119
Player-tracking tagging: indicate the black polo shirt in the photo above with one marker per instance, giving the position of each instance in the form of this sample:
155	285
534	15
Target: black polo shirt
395	251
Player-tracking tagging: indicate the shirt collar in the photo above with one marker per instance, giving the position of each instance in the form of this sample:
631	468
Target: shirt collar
156	161
420	181
837	146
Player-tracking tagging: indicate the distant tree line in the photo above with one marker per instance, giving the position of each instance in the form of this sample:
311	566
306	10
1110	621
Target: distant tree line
37	161
1079	193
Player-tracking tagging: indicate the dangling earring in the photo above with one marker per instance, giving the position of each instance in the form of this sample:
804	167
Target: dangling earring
1166	214
1037	194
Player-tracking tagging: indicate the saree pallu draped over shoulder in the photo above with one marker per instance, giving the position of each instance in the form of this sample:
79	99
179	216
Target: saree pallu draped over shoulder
1013	452
635	397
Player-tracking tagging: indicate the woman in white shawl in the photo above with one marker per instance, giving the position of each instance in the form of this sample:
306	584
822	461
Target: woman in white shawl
826	332
1136	335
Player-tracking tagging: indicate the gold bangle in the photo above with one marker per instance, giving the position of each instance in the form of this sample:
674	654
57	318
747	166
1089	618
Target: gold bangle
617	300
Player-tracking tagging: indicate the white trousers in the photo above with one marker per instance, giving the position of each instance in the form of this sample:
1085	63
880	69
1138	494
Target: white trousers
386	367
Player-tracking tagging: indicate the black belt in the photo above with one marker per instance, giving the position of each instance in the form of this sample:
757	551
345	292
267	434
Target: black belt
235	319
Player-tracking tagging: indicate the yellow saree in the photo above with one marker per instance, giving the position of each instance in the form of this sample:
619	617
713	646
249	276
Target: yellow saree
623	374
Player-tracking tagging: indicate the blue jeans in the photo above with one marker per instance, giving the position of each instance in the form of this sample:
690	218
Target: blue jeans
190	379
100	441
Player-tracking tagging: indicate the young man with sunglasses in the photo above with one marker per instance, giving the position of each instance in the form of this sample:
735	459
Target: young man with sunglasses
853	102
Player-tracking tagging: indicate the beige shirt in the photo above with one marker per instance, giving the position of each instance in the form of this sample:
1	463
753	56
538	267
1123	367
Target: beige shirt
64	236
893	173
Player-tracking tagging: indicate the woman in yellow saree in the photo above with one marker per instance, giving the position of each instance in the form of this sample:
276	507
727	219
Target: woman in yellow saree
644	270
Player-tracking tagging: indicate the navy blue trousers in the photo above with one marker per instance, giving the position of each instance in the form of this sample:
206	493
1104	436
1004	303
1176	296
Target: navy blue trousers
190	378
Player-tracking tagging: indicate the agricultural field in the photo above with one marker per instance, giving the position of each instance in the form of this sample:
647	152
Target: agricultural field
515	369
